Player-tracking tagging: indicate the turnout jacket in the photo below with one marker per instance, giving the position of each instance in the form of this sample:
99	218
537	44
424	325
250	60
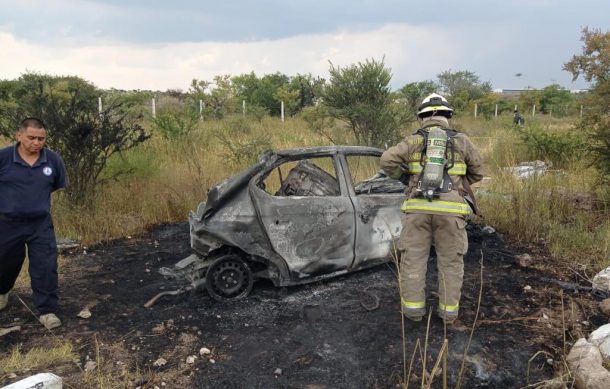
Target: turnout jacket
467	166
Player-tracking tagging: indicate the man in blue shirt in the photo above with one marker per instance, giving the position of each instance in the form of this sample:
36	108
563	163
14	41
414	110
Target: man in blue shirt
29	172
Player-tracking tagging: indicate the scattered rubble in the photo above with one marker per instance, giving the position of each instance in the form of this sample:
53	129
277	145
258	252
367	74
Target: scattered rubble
529	169
204	351
160	362
67	244
190	359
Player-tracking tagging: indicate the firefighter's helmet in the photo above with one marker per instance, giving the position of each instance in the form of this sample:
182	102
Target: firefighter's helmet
434	104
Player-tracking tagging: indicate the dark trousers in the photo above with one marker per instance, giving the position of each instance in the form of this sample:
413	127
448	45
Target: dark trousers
39	237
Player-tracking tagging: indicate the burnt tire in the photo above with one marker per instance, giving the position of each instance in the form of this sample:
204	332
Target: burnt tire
229	278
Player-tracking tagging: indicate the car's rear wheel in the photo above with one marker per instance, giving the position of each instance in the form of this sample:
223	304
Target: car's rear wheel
229	278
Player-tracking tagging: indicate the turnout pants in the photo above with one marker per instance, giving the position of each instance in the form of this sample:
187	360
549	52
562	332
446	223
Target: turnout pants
448	232
39	237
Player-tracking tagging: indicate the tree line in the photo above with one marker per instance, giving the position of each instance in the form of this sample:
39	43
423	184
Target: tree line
358	95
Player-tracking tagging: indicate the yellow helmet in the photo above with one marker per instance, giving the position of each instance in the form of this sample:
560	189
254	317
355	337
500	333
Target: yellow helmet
435	104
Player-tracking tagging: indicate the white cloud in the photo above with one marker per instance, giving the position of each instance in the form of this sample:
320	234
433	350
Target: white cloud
409	52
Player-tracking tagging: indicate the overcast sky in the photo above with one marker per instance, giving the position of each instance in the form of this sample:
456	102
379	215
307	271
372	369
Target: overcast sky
152	44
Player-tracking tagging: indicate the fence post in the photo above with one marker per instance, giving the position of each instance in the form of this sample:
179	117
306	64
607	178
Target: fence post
243	107
200	109
99	105
154	108
581	110
282	109
534	110
496	114
475	109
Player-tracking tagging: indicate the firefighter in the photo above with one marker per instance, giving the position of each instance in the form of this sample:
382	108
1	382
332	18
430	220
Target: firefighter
434	215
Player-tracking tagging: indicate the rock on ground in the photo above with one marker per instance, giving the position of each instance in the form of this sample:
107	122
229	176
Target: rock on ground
585	362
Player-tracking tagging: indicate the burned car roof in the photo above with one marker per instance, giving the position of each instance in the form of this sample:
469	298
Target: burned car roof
221	192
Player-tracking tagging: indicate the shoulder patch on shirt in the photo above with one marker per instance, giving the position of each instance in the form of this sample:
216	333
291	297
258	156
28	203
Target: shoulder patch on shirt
47	171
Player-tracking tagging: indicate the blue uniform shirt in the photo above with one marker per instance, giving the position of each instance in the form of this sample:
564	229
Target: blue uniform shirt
25	191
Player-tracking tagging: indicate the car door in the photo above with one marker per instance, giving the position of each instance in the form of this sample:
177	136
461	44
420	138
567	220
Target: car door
377	203
307	215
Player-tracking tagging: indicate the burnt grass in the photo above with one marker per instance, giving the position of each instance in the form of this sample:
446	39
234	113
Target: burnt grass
328	334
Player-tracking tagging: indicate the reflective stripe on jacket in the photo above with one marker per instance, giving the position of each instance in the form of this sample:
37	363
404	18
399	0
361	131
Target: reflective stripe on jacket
467	166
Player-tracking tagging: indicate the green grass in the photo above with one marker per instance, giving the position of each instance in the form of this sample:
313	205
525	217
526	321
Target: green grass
168	178
37	358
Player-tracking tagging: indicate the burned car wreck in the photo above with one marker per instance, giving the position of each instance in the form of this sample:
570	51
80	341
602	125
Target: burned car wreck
296	216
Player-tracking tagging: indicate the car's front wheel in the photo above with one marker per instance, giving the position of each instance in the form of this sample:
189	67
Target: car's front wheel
229	278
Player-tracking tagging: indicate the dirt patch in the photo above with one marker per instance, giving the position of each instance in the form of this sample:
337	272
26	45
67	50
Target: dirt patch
314	336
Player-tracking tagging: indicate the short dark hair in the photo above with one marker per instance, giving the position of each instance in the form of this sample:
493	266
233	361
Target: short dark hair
32	122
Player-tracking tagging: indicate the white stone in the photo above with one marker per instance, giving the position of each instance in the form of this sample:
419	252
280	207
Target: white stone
602	279
524	260
488	230
527	288
212	361
601	338
585	362
5	331
38	381
204	351
84	314
160	362
90	366
278	371
191	359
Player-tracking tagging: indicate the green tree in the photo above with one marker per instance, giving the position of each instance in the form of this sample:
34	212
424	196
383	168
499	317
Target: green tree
217	95
84	137
360	96
528	99
556	99
262	92
413	94
462	88
487	104
593	64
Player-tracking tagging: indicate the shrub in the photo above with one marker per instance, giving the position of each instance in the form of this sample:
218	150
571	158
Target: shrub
559	148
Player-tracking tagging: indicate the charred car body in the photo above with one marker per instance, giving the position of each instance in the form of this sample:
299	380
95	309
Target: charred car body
296	216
